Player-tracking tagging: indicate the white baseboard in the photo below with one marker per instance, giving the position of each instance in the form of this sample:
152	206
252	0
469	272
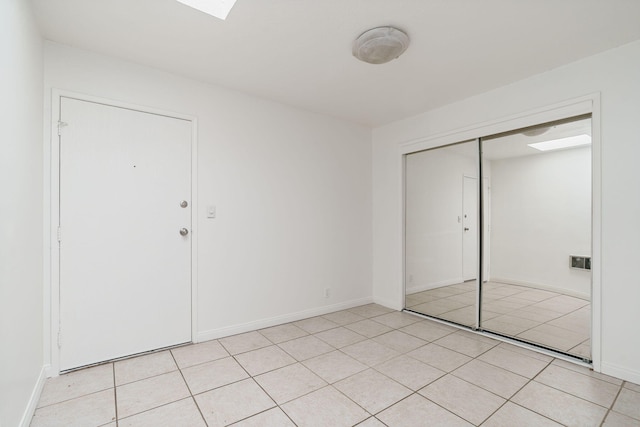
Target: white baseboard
278	320
34	398
621	372
557	289
434	285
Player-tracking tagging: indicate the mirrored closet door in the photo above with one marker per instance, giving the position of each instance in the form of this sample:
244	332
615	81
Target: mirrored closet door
441	239
534	242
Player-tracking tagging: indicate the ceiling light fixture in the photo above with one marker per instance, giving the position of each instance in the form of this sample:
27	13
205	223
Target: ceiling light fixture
380	45
218	8
558	144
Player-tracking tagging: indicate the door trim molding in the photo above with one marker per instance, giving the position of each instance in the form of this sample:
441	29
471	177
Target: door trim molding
51	301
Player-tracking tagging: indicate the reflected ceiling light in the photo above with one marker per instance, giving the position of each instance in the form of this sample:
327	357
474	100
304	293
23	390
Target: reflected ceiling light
218	8
380	45
536	131
558	144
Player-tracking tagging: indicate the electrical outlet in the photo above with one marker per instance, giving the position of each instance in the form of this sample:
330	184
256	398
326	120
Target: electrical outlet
326	292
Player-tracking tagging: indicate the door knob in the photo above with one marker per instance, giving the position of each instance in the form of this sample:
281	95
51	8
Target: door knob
184	204
184	231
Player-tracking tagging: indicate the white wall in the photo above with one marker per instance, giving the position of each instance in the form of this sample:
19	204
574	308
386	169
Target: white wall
434	194
615	75
292	191
541	214
20	210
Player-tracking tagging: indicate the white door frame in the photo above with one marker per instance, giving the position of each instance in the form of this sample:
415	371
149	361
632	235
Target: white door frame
51	300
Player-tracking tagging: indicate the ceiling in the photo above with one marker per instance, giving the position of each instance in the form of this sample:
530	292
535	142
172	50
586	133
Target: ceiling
298	52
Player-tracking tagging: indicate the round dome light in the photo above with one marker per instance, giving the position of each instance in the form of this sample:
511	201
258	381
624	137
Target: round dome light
380	45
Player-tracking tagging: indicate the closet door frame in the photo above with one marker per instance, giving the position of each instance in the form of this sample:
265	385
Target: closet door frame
588	104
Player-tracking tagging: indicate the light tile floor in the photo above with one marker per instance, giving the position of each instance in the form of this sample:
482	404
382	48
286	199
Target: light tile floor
367	366
549	318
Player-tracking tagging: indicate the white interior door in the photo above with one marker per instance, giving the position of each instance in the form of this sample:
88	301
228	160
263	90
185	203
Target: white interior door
469	229
125	269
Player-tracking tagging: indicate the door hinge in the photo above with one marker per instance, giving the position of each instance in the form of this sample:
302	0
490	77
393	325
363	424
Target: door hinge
59	235
61	124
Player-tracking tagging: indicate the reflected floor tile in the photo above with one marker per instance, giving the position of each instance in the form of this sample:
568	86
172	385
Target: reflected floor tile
553	337
181	413
536	314
466	400
233	402
562	303
91	410
559	406
464	316
414	410
514	415
76	384
324	407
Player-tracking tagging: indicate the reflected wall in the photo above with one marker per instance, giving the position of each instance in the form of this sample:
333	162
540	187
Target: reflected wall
441	232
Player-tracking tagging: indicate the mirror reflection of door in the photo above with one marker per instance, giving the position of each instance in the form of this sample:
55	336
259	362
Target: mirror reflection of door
441	223
540	218
469	231
536	236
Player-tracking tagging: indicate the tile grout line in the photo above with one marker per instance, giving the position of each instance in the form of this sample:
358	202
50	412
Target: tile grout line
115	393
189	389
610	409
